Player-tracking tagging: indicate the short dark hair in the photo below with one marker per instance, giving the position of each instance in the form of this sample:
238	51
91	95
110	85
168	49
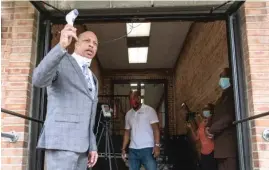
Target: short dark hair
227	71
137	92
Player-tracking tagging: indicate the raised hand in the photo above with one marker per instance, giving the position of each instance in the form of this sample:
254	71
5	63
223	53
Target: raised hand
67	34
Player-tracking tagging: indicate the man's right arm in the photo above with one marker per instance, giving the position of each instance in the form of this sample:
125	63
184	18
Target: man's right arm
126	138
45	72
47	69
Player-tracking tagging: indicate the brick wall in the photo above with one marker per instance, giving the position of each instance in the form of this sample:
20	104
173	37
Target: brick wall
18	46
255	38
95	65
197	70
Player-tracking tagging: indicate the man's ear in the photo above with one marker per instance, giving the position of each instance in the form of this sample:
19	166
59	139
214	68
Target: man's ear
76	44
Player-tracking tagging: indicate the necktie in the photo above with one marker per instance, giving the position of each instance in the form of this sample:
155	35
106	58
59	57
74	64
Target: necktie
88	78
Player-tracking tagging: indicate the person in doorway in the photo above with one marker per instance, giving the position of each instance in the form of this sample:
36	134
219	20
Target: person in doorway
221	127
72	89
207	161
141	127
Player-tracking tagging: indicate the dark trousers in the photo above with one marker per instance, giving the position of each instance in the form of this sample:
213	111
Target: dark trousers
227	164
138	157
208	162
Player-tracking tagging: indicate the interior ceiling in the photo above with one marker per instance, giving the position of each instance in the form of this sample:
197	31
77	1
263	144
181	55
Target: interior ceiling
166	38
165	42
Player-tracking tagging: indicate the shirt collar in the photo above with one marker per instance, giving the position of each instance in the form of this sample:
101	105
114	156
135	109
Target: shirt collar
81	60
141	108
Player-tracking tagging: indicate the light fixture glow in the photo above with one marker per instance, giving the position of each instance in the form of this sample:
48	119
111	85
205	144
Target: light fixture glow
138	55
133	84
138	29
142	92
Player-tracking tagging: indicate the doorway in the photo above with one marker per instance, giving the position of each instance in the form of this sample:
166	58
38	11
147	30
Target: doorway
154	15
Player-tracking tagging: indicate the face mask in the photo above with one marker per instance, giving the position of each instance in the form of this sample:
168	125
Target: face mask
206	113
224	83
88	61
133	103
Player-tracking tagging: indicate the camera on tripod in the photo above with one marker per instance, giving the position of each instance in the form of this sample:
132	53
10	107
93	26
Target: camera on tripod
190	116
107	111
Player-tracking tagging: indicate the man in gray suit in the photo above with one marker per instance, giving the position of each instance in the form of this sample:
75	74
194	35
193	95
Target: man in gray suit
72	89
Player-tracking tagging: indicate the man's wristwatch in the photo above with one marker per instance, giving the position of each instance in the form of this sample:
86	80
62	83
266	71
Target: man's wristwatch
157	144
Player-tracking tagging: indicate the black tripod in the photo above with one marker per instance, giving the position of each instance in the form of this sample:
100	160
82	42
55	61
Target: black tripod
108	143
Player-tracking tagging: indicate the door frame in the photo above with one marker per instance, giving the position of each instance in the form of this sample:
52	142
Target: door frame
236	62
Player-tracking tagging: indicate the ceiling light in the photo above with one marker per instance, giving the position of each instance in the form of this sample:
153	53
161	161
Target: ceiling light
138	29
133	84
138	55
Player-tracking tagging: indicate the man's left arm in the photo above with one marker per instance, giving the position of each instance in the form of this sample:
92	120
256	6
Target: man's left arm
93	155
154	121
226	121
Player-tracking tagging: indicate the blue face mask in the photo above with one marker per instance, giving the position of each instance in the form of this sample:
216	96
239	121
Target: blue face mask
206	113
224	83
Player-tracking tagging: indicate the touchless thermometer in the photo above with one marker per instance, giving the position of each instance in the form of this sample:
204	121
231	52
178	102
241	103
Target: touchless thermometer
71	16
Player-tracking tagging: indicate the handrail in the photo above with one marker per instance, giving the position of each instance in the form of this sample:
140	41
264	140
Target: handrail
21	116
13	137
251	118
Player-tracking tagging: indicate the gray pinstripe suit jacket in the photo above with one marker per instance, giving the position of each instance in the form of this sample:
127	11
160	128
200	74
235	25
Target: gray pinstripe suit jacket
71	109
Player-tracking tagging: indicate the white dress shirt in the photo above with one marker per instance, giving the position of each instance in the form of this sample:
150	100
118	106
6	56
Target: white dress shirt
81	61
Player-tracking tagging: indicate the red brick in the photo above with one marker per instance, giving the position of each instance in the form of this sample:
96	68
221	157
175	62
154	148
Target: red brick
19	64
261	122
20	57
7	10
22	42
14	167
23	10
258	39
257	138
259	69
13	160
262	155
6	35
13	120
7	23
258	47
23	29
254	5
22	4
16	100
4	29
24	16
14	152
21	49
18	70
5	4
256	11
27	35
20	128
18	78
5	17
24	22
260	25
258	32
18	144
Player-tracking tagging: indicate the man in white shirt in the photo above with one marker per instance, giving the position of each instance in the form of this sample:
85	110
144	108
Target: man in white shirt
142	129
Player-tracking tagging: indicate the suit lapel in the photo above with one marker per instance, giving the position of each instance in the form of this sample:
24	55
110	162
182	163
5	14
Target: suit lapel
96	85
80	74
